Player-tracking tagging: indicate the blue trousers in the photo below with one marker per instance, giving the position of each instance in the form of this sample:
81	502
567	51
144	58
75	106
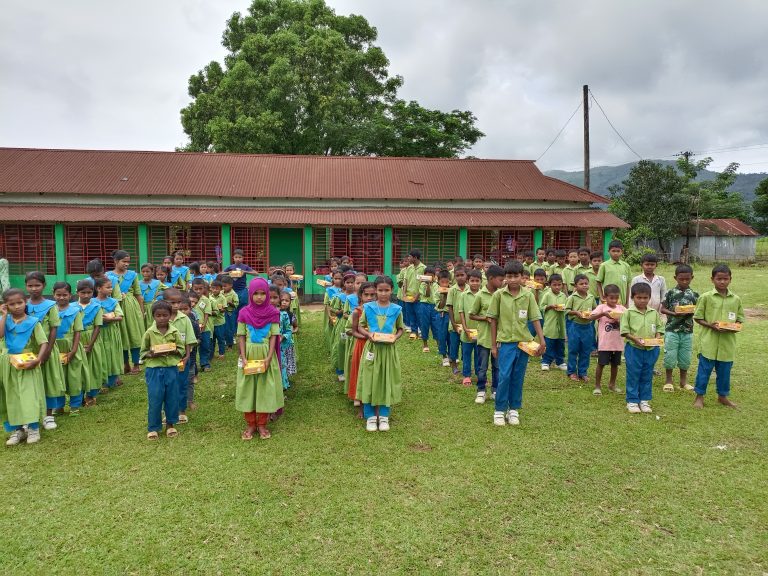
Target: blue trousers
111	381
219	338
58	402
453	346
230	327
639	373
722	381
369	411
442	333
182	384
512	365
162	394
242	297
12	428
482	356
555	351
205	349
428	320
580	338
134	356
468	349
411	315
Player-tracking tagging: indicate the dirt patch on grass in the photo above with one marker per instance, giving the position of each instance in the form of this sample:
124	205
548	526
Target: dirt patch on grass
758	313
421	447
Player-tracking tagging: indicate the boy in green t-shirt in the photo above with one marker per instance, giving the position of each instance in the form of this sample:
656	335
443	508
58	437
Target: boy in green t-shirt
615	271
230	314
451	305
204	312
570	270
218	309
440	291
468	344
552	306
581	330
678	332
494	276
721	314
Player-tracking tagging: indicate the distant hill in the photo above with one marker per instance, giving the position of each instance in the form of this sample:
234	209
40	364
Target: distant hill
602	177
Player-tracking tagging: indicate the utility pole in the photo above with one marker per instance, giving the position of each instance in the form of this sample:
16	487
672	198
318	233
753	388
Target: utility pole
585	106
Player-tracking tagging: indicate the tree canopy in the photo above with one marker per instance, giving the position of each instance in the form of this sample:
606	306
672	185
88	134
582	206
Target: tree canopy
760	206
300	79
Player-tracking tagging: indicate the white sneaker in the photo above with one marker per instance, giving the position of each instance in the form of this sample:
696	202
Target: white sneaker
498	419
33	436
446	362
49	423
341	377
645	407
480	398
545	367
408	329
383	423
563	367
370	424
493	395
513	417
16	438
633	408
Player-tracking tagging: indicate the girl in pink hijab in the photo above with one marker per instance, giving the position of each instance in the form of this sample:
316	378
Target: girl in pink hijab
258	333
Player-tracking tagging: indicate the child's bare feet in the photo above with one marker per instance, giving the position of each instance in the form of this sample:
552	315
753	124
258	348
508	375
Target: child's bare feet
699	402
725	401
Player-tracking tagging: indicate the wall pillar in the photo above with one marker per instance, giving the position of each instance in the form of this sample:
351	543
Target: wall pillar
309	273
607	237
388	251
226	245
463	244
538	239
143	255
61	252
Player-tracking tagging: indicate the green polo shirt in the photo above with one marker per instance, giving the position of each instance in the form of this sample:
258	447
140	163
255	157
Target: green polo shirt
569	273
436	296
536	266
232	300
554	320
152	337
615	272
713	307
577	303
423	292
218	306
204	307
411	283
183	324
640	324
454	295
479	308
555	269
512	313
592	275
464	304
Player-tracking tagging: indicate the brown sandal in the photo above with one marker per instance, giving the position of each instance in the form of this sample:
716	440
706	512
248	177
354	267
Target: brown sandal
152	436
264	433
171	432
246	435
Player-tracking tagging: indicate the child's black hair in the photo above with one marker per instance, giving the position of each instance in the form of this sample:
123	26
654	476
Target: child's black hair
475	274
595	254
198	282
216	284
573	251
344	269
99	282
616	244
579	278
213	266
529	254
477	257
189	296
84	285
494	271
611	289
363	287
178	253
172	293
384	280
640	288
161	305
35	275
238	252
429	270
94	267
13	292
583	250
721	269
550	251
683	269
540	272
61	286
165	269
276	277
118	255
148	265
184	298
169	257
275	289
444	274
415	253
194	267
560	253
459	270
513	267
225	279
526	272
650	257
555	278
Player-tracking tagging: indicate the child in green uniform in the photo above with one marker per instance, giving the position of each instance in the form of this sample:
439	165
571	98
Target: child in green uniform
440	291
204	312
258	331
540	262
638	323
570	270
379	382
161	371
678	331
552	306
581	330
69	341
615	271
230	315
151	291
411	292
338	331
132	304
595	259
110	332
468	344
330	294
53	374
558	267
495	276
23	402
93	346
180	304
717	348
294	286
454	321
426	308
218	309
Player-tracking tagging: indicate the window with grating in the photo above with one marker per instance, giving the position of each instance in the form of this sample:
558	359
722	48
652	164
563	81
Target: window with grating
28	247
593	239
85	243
366	248
197	243
512	243
435	244
483	242
321	250
254	242
562	239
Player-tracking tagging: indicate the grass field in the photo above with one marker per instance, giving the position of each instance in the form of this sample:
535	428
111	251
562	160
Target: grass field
580	487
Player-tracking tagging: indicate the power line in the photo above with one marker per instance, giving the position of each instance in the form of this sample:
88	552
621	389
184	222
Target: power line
560	132
614	127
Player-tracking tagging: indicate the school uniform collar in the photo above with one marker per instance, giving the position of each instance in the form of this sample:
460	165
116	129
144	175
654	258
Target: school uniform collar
727	295
485	290
171	329
520	293
643	312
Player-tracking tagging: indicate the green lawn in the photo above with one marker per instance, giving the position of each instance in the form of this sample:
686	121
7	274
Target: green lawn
579	487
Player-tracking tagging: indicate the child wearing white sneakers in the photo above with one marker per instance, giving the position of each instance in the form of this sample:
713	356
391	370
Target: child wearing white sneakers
552	305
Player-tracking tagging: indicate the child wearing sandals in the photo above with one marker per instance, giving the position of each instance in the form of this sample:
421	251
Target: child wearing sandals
609	340
162	368
258	331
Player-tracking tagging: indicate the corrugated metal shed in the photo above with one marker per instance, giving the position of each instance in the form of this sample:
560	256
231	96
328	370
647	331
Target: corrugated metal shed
721	227
36	171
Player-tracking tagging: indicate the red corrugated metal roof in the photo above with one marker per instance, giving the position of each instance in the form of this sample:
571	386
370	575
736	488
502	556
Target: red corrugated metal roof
723	227
301	217
269	176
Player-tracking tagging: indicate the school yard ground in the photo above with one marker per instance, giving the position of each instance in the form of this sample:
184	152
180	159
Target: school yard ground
579	487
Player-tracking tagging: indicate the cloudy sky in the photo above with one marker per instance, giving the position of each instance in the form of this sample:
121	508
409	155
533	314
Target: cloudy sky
687	74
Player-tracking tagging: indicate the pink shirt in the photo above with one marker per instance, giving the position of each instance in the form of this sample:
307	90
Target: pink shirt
608	335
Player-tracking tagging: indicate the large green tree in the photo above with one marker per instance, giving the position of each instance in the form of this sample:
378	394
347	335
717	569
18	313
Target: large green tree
760	206
300	79
711	198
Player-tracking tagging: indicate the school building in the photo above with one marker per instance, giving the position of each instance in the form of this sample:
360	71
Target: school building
61	208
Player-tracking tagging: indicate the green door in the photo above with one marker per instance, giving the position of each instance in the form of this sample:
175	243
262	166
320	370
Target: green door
286	245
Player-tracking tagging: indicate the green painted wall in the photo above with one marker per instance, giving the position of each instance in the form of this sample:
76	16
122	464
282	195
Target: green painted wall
61	252
226	245
310	287
607	237
143	246
286	245
388	251
463	243
538	238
